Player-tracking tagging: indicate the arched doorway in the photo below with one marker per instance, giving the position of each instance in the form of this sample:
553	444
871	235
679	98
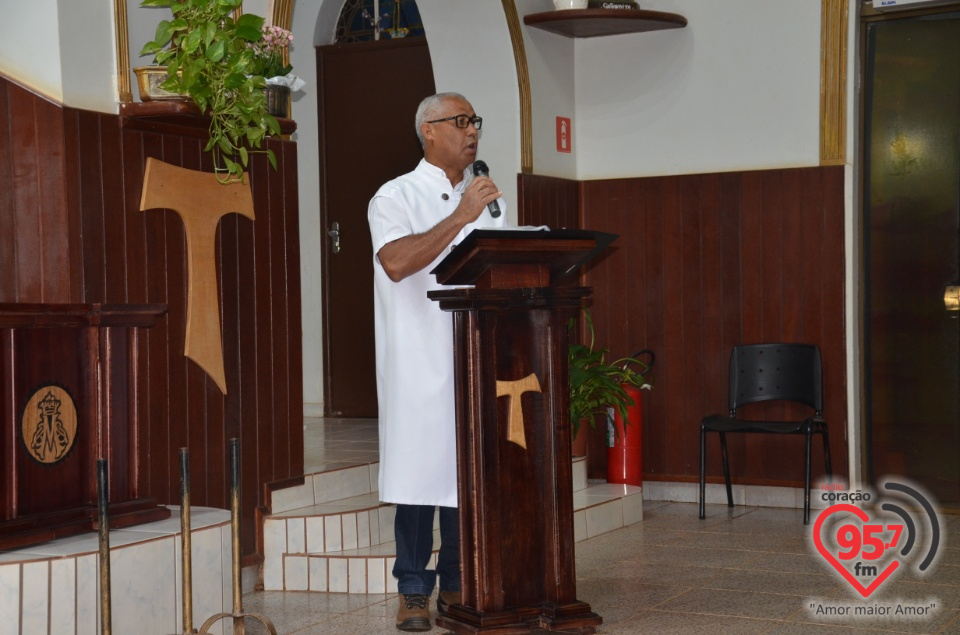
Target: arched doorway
368	92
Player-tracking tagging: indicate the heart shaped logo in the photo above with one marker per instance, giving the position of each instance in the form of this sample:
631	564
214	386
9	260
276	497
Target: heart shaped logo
851	540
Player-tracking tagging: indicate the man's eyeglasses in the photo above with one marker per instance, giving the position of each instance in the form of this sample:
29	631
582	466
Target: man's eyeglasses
462	121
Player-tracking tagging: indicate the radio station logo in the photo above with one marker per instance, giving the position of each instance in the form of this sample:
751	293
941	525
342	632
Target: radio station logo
867	546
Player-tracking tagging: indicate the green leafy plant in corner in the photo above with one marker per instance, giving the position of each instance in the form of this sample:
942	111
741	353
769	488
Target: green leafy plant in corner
209	56
596	384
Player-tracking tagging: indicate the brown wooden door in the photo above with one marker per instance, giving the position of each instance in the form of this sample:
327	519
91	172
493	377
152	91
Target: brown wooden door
369	93
912	214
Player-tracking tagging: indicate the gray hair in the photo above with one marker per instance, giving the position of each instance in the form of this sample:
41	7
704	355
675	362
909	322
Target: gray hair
429	108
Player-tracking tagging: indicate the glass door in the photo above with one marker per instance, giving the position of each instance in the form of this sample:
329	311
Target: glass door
911	202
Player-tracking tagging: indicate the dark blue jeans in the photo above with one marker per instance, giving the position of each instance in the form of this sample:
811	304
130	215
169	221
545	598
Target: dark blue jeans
413	529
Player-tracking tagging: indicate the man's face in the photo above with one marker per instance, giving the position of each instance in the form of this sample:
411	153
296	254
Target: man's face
448	146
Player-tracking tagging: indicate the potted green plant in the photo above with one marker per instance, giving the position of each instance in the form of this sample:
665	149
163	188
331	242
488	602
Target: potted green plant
596	384
210	57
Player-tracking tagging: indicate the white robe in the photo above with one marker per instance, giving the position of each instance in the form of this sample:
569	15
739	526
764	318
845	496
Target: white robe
414	344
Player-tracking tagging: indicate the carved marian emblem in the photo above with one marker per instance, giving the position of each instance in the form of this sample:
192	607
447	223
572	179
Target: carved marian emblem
49	424
516	432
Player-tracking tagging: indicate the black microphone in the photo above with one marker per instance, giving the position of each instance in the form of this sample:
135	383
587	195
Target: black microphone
480	169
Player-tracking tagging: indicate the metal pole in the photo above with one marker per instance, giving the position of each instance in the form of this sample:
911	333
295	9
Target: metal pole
186	553
238	628
238	615
103	497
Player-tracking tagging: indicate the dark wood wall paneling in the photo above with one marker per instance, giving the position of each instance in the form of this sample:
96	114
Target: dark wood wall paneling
705	262
37	240
72	230
549	201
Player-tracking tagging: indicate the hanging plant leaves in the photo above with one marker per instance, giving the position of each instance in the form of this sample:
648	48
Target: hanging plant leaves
216	68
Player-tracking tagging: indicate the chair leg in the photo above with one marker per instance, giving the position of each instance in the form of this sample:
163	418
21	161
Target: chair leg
703	471
806	481
826	453
726	468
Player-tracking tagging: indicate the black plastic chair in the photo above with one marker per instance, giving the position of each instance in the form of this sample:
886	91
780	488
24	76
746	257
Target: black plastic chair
770	372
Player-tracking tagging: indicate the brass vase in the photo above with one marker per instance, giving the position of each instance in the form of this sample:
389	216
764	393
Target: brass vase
149	79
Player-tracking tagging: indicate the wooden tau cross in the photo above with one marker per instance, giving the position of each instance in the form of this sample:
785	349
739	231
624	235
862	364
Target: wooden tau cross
200	200
513	390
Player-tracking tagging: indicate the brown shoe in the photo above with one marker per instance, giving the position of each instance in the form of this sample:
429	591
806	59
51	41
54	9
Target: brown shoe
446	599
414	613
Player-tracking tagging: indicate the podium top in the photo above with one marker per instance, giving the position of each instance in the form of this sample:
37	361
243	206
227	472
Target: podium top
511	258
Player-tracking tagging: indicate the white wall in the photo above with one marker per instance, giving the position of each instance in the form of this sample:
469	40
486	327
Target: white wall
738	88
313	25
551	64
30	44
88	55
141	28
471	54
62	49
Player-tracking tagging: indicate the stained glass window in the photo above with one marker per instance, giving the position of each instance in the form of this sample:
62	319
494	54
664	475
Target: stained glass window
360	20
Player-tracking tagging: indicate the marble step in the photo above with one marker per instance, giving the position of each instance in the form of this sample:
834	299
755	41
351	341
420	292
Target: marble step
335	485
579	473
341	539
53	587
361	570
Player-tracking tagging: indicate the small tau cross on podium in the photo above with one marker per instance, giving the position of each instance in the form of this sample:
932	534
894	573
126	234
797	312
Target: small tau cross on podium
513	390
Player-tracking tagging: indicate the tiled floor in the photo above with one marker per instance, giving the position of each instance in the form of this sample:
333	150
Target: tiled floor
746	570
329	444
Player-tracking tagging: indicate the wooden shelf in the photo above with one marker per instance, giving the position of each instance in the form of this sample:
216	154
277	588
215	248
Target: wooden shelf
598	22
185	114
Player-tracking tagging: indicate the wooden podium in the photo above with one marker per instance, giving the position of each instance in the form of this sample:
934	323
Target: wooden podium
513	432
68	396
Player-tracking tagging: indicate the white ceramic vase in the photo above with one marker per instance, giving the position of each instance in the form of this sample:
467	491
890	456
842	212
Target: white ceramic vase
570	4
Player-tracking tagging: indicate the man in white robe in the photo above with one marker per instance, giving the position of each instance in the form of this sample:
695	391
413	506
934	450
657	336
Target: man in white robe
415	220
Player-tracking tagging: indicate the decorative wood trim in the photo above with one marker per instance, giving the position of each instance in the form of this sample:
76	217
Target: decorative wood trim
833	81
523	83
281	13
122	42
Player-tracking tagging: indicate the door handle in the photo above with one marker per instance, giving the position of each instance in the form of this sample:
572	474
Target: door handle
334	234
951	298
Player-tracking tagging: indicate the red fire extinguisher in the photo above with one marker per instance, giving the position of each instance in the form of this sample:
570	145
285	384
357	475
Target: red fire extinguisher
624	452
